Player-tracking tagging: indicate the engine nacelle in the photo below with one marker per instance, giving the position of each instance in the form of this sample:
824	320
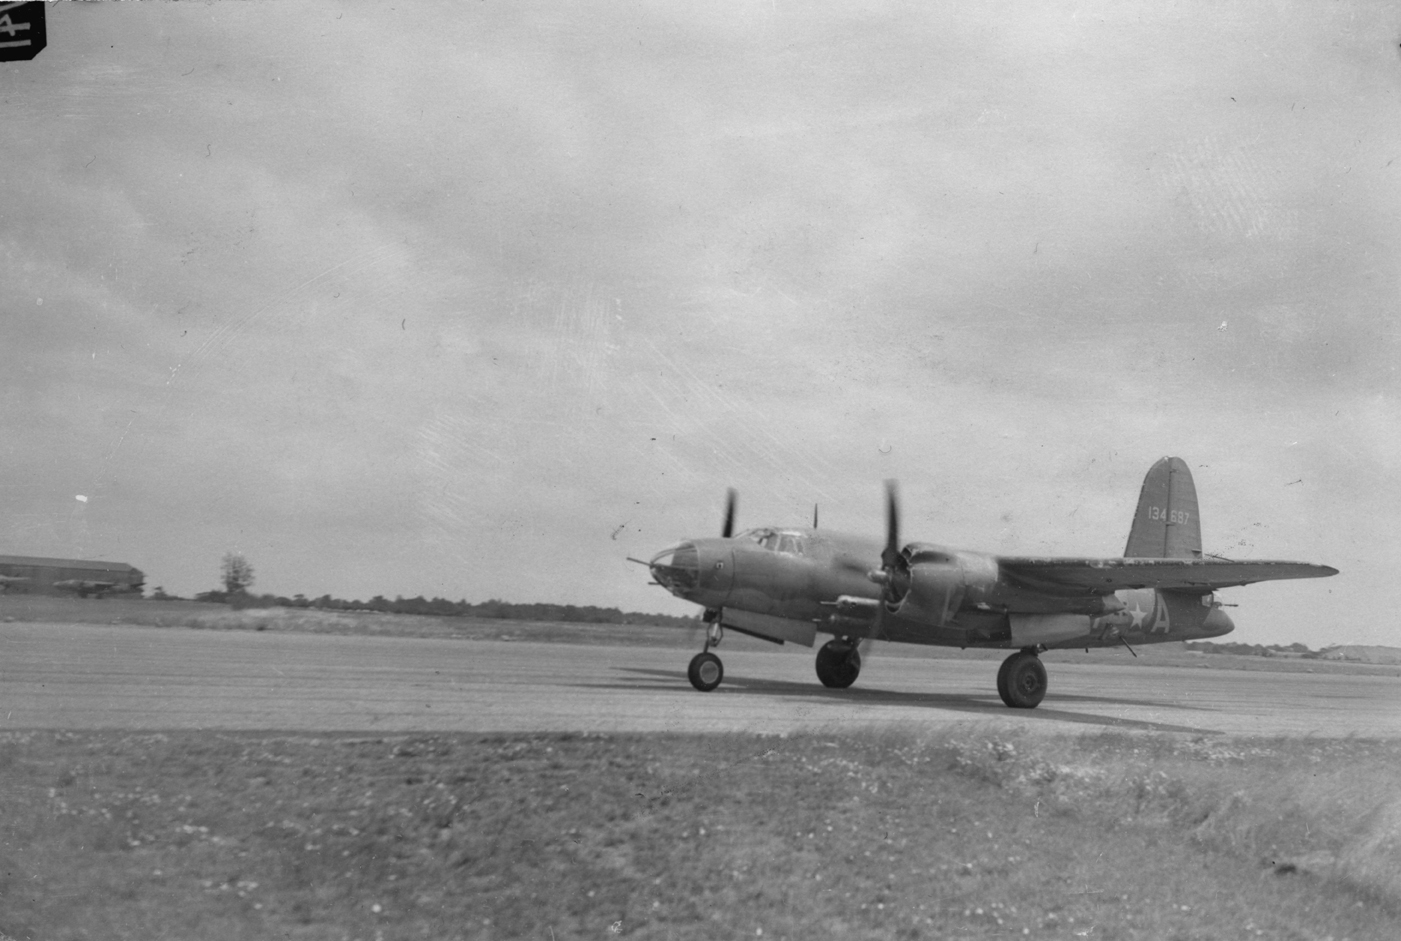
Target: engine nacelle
940	582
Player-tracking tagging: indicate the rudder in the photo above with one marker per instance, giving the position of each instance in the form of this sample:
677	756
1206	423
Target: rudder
1166	524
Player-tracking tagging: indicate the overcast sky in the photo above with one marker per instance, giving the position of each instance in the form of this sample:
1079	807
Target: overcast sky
475	300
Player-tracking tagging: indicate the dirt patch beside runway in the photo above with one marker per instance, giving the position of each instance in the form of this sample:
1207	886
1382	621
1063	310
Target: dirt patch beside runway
252	835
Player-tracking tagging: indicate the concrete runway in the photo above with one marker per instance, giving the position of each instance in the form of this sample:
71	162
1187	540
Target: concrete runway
80	676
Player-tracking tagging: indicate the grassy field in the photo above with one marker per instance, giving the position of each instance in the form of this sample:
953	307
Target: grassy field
252	835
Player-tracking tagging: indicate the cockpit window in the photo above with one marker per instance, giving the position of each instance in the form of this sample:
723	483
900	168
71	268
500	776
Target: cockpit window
774	541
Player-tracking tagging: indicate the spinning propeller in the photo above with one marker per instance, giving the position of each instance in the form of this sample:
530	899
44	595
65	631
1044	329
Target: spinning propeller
919	581
894	574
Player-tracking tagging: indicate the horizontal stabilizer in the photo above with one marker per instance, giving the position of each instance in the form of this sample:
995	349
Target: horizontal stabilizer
1074	576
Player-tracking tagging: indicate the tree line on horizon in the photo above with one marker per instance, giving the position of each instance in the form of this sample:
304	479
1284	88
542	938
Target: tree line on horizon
442	607
1302	651
237	576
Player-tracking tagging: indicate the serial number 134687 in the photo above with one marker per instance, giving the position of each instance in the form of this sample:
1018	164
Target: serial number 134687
1172	517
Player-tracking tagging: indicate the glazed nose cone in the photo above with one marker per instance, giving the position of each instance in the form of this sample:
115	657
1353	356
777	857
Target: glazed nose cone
677	569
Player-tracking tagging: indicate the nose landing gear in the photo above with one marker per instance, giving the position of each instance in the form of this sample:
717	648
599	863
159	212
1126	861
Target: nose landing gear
706	671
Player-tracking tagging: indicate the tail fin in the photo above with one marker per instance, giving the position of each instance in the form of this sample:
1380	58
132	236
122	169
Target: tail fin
1166	525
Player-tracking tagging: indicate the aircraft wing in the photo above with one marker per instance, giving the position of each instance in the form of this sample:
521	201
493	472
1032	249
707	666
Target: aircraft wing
1057	576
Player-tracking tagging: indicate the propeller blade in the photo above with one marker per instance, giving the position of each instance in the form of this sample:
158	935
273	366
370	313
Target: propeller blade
894	577
891	554
731	498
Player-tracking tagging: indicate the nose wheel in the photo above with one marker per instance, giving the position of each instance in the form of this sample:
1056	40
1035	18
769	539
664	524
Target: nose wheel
706	671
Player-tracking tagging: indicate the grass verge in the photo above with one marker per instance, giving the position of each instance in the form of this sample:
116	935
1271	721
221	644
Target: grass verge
119	835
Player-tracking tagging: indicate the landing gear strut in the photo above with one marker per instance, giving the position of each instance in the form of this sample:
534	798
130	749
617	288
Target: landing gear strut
706	671
838	663
1021	681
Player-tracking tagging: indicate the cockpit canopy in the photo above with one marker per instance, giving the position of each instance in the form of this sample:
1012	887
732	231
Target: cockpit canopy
775	540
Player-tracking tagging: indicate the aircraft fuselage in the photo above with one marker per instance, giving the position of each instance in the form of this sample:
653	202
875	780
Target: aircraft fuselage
804	575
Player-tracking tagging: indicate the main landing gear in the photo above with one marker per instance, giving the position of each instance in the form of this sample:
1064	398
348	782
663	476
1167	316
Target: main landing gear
1021	681
838	663
706	671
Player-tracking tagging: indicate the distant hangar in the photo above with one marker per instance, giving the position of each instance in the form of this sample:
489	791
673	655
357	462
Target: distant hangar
27	575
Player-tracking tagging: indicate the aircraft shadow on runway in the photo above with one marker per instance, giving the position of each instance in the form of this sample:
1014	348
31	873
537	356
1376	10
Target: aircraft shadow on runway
948	702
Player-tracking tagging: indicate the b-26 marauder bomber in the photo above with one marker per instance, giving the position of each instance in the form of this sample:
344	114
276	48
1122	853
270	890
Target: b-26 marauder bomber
787	585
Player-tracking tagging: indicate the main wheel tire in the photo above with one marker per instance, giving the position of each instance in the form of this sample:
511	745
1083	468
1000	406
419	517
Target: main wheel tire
705	672
838	664
1002	679
1021	682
